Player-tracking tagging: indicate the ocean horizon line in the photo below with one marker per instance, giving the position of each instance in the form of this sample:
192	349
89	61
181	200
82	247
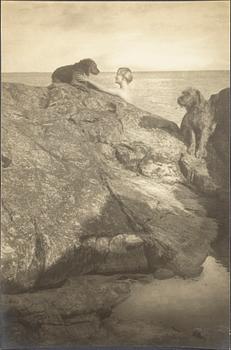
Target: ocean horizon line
135	71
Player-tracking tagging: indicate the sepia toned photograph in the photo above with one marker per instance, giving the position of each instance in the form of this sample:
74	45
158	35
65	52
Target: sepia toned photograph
115	174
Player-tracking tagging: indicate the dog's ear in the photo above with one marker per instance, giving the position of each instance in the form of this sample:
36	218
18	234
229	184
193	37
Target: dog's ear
200	98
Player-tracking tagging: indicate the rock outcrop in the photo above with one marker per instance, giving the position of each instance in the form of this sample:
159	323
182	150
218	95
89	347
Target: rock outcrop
211	175
93	185
218	147
68	315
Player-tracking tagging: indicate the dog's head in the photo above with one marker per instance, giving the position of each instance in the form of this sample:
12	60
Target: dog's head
87	66
191	98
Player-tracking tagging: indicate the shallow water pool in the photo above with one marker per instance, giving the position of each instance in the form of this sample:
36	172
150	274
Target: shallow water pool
176	311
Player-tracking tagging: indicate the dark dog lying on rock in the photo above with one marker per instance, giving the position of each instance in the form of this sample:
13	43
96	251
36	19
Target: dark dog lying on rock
198	123
74	74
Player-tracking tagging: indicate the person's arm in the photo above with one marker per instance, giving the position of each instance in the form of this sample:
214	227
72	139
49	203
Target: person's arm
78	80
99	87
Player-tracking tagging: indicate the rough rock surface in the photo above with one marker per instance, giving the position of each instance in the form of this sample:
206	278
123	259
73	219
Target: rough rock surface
68	315
93	185
211	175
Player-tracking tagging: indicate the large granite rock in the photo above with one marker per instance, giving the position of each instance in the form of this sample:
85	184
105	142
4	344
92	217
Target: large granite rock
92	184
70	315
210	176
218	148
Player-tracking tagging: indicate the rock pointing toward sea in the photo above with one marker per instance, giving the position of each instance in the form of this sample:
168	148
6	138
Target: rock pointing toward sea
93	185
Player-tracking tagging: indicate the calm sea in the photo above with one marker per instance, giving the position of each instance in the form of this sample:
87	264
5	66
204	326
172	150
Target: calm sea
155	92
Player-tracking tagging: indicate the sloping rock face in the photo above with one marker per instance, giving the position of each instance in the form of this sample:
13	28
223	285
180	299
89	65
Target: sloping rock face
92	184
218	161
218	148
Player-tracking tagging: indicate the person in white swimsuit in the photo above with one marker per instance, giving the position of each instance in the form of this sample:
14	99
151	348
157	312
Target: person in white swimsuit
123	78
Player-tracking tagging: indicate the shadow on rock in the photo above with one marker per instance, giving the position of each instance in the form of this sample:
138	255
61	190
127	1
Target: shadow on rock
155	122
210	176
139	236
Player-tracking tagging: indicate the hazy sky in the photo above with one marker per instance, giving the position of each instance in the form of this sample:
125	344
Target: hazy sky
40	36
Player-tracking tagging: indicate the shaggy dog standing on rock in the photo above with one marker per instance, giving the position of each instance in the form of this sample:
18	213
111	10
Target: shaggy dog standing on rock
198	123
